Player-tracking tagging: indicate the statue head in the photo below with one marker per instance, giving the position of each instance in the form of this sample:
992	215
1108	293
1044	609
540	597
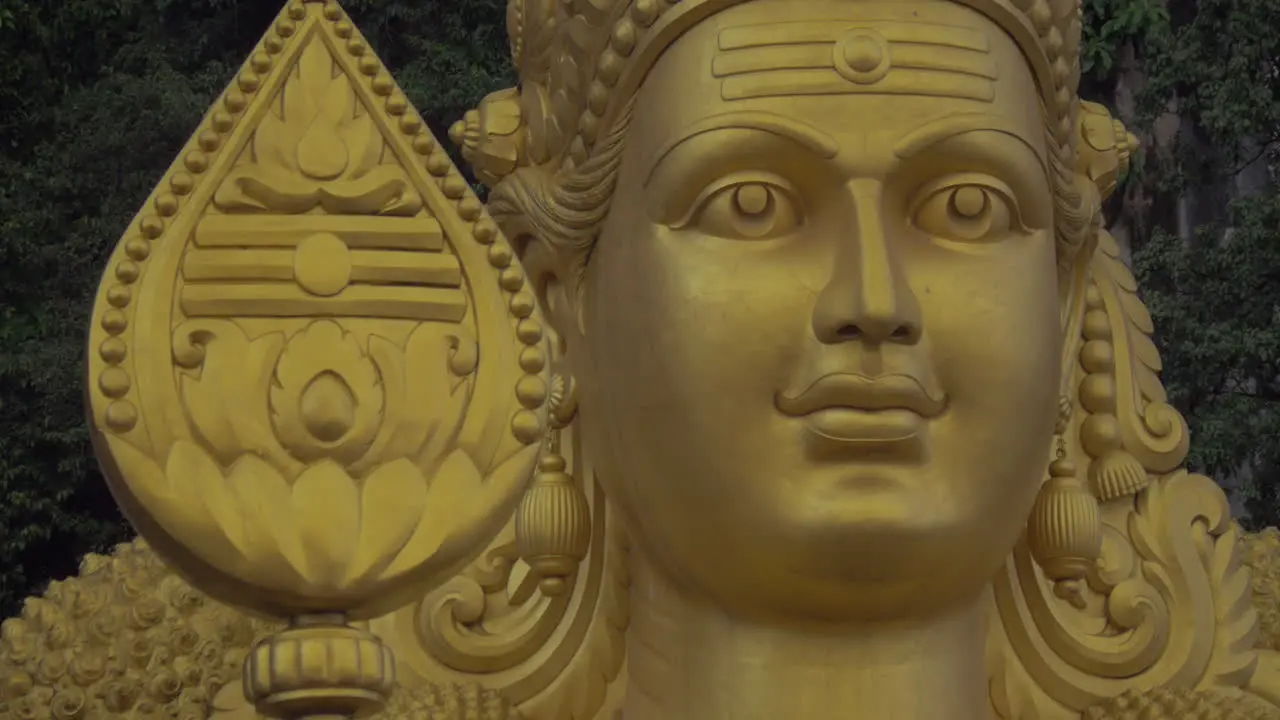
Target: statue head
812	264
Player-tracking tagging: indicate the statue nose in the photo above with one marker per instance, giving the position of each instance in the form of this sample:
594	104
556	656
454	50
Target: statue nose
867	297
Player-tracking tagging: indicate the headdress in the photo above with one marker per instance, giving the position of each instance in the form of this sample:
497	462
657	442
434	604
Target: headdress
580	62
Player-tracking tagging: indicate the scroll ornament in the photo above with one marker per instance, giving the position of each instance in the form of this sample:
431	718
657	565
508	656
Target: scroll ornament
1161	624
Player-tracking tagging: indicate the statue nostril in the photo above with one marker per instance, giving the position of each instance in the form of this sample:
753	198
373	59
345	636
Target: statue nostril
872	332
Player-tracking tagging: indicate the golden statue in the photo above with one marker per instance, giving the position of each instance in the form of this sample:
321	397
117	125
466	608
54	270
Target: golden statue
788	373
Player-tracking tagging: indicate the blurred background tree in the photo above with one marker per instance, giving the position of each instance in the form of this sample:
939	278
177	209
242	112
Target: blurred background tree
97	96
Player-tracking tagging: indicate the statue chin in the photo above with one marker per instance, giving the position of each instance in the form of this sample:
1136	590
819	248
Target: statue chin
836	567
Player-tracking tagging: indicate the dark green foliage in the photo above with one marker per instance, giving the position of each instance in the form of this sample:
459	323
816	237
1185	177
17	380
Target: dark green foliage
1216	303
1207	69
97	98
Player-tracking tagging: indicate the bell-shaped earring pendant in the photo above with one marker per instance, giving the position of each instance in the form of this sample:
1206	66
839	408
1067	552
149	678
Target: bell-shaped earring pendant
553	521
1065	528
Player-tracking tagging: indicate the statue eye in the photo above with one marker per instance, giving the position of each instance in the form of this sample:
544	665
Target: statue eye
968	212
745	210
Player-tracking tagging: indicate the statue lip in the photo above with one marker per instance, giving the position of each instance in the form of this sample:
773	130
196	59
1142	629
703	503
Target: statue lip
851	391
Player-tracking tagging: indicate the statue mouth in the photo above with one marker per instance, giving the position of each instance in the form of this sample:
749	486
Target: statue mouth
848	411
888	395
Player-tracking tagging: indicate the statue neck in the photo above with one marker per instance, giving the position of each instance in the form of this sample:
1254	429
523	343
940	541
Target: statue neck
688	660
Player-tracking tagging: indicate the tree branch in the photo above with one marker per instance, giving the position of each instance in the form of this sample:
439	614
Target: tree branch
1266	147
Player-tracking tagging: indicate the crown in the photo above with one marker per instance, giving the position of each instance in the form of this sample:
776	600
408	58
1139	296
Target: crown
581	61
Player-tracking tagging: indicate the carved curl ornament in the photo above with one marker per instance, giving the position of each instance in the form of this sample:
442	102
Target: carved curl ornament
1183	705
1261	553
126	638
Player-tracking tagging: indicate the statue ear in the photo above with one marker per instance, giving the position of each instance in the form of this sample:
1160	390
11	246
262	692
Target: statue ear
493	140
1073	283
1103	152
1104	148
557	290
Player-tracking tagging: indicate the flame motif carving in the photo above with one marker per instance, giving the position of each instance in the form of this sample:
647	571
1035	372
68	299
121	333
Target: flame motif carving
326	405
318	147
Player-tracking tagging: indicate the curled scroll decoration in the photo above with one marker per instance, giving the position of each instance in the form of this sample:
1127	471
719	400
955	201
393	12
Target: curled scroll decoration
1167	604
1182	618
473	624
1153	431
551	657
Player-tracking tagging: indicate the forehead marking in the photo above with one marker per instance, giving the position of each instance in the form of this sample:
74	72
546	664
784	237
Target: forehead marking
843	57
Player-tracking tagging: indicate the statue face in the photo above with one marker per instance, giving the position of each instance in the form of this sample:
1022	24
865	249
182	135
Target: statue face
818	340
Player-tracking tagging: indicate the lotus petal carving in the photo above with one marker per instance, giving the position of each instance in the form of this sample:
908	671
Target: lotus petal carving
326	536
318	393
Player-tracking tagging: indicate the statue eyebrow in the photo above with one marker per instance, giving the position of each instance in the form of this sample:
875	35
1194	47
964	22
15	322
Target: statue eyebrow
819	142
936	131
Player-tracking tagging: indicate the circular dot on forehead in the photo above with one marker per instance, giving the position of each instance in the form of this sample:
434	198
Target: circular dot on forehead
751	199
863	53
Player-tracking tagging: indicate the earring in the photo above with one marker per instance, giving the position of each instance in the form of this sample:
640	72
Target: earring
1065	527
553	521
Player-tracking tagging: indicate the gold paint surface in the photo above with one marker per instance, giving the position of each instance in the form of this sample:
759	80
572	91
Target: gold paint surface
846	407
